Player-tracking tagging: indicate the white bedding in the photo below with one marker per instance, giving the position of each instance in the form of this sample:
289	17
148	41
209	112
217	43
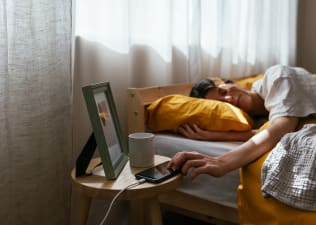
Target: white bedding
219	190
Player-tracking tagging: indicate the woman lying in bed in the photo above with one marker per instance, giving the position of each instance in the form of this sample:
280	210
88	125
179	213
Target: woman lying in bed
284	93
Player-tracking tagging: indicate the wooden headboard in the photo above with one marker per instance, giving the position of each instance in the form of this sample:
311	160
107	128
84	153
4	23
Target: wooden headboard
140	98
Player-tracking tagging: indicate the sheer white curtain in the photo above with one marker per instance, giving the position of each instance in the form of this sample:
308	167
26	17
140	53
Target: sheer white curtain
137	43
35	117
172	41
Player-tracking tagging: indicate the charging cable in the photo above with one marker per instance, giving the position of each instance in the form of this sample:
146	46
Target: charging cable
140	181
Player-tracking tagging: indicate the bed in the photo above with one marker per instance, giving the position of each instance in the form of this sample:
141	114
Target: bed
195	198
232	199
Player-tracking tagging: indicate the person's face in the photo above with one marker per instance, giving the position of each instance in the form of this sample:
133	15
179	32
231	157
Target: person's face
246	100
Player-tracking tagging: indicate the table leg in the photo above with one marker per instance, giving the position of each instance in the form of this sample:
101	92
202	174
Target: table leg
83	210
137	213
153	216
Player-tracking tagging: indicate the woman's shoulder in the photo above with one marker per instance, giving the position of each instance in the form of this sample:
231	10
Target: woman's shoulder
281	75
283	71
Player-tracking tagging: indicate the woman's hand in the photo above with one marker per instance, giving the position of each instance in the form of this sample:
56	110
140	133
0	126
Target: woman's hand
196	163
195	132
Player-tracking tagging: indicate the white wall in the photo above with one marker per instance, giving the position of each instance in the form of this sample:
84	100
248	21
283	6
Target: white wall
306	46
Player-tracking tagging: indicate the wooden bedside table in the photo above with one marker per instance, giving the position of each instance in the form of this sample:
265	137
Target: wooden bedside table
144	204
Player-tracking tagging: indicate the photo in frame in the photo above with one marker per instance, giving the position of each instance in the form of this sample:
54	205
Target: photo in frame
106	128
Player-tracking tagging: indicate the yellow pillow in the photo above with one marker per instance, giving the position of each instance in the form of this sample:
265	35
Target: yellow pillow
169	112
248	81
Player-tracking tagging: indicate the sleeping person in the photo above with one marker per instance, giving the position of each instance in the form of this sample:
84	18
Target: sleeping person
285	94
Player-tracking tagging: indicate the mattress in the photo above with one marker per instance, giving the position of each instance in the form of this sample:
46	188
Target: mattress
221	190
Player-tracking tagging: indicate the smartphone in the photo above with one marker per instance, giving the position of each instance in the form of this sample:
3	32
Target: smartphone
157	173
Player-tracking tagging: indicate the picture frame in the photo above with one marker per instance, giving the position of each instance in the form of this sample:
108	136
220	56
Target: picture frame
106	128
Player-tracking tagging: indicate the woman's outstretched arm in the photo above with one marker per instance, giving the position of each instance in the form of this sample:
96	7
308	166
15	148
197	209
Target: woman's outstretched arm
194	132
252	149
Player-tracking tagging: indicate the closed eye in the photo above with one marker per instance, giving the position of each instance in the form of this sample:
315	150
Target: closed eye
222	91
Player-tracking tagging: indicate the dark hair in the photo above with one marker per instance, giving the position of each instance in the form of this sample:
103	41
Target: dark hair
200	89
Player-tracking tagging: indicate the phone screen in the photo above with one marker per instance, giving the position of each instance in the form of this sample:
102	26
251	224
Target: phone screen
157	174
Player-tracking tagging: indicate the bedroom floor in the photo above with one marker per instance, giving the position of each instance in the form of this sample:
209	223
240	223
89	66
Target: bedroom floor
170	218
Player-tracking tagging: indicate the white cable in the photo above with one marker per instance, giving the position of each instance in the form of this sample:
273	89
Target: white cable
117	195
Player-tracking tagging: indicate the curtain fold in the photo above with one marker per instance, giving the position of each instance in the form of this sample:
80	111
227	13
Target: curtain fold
35	118
197	38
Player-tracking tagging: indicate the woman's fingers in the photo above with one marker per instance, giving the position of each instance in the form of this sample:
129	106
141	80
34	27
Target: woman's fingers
185	130
196	163
192	164
180	158
196	128
190	131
